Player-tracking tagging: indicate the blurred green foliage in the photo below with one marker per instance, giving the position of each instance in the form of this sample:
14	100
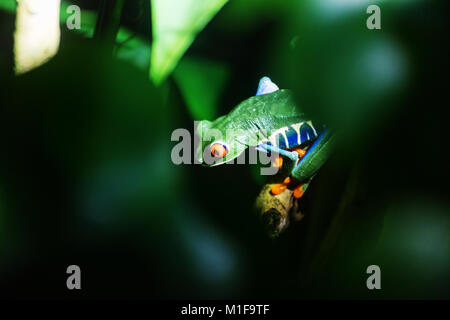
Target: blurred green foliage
201	83
9	5
87	22
88	19
175	25
133	49
86	175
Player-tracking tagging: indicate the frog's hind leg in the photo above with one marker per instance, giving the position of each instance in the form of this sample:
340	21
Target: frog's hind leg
315	157
300	190
311	161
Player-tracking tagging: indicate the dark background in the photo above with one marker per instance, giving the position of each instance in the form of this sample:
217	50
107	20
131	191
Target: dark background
86	176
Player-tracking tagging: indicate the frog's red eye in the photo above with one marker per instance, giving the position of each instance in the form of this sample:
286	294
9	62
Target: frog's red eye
218	150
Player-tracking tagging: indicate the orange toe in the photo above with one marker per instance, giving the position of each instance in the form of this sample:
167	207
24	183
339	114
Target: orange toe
278	188
278	162
301	152
298	192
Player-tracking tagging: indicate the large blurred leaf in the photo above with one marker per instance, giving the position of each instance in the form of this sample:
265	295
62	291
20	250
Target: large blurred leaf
175	24
37	34
201	83
133	49
8	5
88	19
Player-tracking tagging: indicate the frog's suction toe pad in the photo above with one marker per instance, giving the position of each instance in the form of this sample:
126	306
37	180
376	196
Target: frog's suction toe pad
266	86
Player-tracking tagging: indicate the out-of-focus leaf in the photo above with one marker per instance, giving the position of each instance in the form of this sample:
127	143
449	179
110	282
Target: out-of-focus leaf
88	19
353	89
8	5
245	16
130	48
201	83
37	34
175	24
133	49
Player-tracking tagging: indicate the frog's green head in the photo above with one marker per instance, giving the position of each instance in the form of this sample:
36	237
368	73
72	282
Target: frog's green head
219	144
227	137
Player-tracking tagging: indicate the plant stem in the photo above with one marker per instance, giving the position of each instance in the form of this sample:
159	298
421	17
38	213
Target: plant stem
108	22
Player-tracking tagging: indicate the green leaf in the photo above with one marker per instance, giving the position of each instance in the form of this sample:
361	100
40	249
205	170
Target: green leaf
201	83
175	24
88	19
133	49
8	5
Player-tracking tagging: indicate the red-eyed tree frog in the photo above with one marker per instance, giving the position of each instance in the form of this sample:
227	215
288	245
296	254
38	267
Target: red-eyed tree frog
271	122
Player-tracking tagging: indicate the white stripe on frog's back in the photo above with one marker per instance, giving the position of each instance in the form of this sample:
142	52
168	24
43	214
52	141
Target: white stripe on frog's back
292	135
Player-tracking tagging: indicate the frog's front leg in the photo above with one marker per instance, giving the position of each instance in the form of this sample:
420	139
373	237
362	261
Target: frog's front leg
288	160
285	160
291	155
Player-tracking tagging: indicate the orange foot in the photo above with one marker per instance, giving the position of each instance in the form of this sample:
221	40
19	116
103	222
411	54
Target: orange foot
277	162
301	152
298	191
280	187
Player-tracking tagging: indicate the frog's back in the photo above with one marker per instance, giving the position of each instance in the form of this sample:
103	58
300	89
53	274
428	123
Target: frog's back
270	111
277	116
